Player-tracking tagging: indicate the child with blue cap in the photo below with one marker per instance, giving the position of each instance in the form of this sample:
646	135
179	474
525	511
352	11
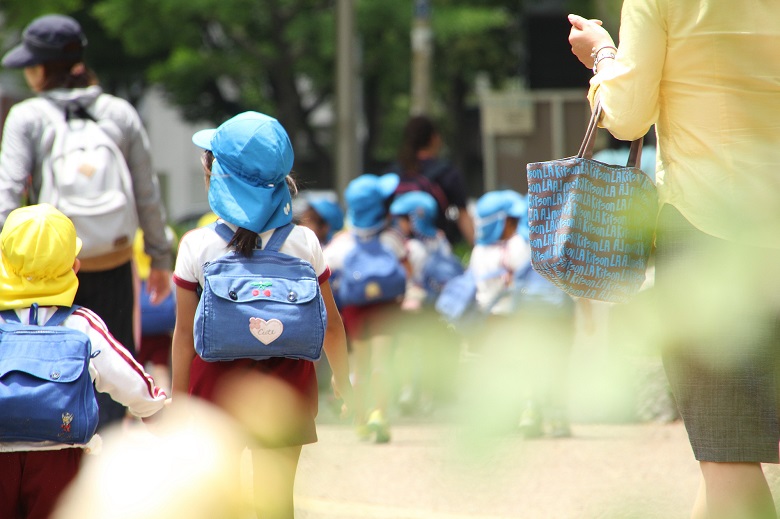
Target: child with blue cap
426	339
499	251
247	161
370	259
320	213
537	340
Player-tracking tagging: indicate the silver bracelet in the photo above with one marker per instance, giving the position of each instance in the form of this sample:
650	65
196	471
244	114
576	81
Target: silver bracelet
600	59
595	53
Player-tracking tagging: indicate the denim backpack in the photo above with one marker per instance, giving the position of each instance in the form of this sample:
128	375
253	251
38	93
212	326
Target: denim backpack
457	302
160	318
371	274
46	392
259	307
534	292
438	270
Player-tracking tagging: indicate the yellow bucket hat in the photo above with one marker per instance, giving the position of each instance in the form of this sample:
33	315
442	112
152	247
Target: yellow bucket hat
38	247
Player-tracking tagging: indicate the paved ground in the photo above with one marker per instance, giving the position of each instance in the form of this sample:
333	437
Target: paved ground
637	471
605	471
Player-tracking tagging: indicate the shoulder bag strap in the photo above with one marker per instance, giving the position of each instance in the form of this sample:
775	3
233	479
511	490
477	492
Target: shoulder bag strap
586	149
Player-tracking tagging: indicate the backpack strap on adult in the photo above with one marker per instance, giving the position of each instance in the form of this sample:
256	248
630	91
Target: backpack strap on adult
62	313
74	110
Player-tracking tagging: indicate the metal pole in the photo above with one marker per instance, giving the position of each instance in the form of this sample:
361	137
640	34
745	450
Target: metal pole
422	54
346	119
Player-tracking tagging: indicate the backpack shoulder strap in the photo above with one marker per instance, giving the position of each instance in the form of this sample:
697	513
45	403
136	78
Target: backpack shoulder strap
280	234
225	232
9	316
62	313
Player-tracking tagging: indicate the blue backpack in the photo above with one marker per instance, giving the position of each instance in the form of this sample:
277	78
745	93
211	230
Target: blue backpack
457	302
438	270
268	305
371	274
534	292
46	392
458	298
159	319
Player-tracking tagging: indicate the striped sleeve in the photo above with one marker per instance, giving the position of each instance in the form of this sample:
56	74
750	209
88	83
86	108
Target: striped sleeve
116	372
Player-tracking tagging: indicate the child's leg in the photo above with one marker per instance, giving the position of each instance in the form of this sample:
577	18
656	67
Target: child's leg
361	383
381	370
274	479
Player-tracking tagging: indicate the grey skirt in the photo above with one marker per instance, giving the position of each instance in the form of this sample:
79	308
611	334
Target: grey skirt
721	340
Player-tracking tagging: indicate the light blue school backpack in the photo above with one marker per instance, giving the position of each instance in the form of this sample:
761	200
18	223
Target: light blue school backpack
264	306
534	292
46	391
457	302
438	270
371	274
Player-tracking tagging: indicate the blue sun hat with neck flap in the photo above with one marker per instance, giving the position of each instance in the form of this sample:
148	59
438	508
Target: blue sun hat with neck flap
492	210
330	211
421	208
252	157
365	197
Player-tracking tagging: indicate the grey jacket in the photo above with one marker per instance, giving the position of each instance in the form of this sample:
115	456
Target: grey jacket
25	142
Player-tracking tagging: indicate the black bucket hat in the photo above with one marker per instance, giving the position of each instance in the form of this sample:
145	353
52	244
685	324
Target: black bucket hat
47	38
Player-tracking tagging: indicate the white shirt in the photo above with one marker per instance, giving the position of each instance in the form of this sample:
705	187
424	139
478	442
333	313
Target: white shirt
203	244
344	242
488	260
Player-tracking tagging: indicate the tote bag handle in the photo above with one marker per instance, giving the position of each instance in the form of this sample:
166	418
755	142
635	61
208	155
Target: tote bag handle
586	149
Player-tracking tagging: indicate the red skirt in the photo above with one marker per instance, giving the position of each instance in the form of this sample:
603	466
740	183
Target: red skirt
275	399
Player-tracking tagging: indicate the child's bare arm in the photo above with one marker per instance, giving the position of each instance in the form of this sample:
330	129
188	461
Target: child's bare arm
336	346
183	348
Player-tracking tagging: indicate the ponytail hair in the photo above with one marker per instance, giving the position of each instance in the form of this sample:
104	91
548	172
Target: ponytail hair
418	134
68	73
243	241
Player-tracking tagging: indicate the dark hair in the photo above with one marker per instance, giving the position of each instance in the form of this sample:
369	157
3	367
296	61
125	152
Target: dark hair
70	73
243	241
418	134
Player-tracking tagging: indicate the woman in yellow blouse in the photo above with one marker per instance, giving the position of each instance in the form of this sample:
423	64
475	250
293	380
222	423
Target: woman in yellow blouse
707	75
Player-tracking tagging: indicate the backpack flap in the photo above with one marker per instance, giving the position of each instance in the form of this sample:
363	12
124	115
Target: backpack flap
279	290
46	392
271	304
372	274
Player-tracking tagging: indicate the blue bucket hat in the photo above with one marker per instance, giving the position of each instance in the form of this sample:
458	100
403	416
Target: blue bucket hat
421	208
252	158
47	38
365	197
329	211
492	210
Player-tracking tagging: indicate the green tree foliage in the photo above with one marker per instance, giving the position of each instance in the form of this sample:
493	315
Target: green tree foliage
215	58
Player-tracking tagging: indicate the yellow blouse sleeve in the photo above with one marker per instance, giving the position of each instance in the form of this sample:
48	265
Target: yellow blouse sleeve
629	90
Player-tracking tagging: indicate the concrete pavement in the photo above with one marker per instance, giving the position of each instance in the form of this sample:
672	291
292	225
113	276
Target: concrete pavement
618	471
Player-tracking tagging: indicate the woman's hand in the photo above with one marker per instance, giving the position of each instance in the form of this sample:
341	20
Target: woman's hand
587	36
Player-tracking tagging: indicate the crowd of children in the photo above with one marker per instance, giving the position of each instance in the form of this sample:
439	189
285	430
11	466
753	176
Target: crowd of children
378	273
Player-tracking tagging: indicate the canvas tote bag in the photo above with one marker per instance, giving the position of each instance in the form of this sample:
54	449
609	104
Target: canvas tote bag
592	224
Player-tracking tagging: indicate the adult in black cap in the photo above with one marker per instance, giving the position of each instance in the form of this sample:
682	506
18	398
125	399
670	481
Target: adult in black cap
51	54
